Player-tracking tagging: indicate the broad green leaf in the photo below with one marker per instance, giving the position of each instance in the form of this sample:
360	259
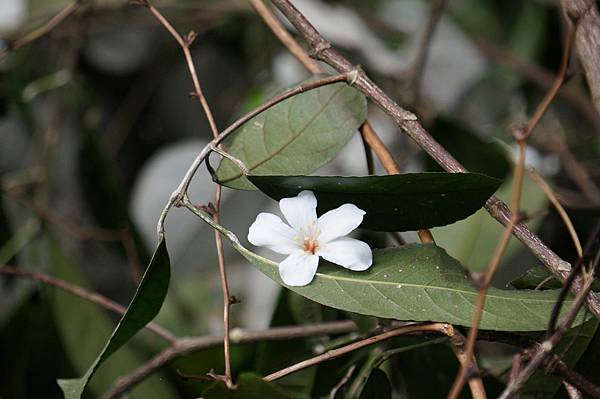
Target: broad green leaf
250	386
77	318
420	282
392	203
296	136
143	308
538	275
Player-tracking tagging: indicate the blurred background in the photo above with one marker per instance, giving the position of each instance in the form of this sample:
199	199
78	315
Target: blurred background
97	128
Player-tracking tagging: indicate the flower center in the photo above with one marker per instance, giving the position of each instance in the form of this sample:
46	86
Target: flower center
310	245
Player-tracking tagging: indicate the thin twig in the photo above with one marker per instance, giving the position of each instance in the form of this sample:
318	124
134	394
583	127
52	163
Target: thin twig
185	346
442	328
484	282
545	187
284	36
323	51
539	76
368	134
42	30
546	347
123	236
92	297
558	82
417	70
185	43
177	195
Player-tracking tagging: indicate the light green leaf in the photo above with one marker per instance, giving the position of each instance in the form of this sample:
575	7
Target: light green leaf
143	308
296	136
420	283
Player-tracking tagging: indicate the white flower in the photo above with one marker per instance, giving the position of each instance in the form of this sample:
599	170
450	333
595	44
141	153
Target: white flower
309	237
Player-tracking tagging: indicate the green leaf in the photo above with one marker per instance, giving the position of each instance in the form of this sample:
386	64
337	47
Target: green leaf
296	136
538	275
392	203
144	306
419	282
76	318
250	386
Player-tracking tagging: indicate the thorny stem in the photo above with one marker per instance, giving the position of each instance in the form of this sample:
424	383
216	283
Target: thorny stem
84	294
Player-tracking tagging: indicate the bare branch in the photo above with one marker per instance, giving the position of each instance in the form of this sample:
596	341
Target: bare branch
186	346
92	297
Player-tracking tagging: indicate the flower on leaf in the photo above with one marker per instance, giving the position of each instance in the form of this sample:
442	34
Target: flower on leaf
307	238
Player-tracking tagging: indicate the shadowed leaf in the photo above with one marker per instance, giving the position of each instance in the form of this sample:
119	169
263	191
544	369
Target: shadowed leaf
144	306
392	203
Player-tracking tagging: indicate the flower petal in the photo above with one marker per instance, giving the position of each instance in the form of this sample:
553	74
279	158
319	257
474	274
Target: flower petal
299	268
269	231
347	252
339	222
301	210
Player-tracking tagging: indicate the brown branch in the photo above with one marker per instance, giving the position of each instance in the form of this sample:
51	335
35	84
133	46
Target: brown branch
442	328
545	187
587	41
123	236
185	43
284	36
185	346
484	282
43	30
556	85
408	122
545	348
368	134
92	297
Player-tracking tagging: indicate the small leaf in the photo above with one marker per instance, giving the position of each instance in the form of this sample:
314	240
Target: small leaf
250	386
419	282
392	203
296	136
144	306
